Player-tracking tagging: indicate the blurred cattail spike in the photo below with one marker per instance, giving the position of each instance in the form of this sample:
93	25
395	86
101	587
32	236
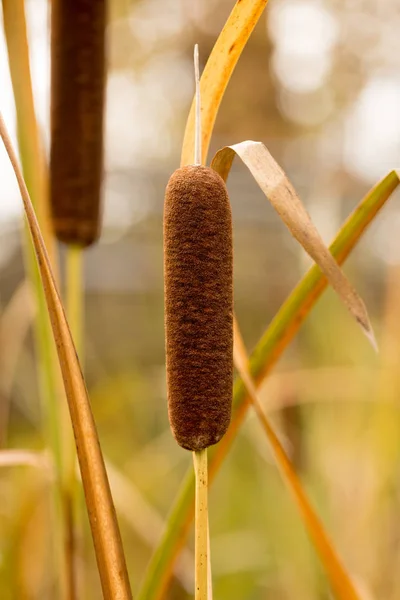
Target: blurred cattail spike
77	102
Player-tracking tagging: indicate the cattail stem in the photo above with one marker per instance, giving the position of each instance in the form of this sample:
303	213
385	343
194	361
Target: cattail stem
197	134
72	509
74	299
201	525
209	571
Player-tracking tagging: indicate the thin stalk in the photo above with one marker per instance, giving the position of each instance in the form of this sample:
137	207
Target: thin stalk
202	538
197	133
74	297
201	525
209	572
72	513
48	378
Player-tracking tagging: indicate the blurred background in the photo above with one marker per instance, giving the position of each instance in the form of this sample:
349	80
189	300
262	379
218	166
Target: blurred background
319	84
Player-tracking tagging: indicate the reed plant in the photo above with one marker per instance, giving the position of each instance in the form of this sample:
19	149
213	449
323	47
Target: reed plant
204	340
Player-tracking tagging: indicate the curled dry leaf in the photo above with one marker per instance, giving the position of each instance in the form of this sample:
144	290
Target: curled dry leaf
103	521
276	186
338	578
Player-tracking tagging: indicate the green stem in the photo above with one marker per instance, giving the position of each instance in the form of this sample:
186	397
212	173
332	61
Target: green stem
74	301
74	297
50	402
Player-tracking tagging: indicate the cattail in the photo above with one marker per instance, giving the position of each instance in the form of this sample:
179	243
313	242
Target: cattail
198	306
77	101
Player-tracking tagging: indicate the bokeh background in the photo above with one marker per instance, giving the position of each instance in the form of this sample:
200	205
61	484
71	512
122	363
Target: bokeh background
319	84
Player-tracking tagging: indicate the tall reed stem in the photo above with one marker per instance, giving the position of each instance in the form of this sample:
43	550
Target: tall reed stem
201	525
72	513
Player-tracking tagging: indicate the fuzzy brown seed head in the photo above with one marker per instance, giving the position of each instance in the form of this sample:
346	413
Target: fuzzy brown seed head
198	306
77	100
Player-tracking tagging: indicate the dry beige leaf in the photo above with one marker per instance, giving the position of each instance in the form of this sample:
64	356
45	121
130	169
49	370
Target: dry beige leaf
276	186
102	517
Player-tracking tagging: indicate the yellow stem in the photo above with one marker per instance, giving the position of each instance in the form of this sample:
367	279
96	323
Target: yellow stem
201	525
74	301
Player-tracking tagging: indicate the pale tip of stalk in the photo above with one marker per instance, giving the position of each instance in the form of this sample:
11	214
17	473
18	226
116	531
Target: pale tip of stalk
197	133
360	313
369	333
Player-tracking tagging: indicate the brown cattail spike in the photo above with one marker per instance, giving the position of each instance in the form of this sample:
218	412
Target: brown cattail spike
77	100
198	306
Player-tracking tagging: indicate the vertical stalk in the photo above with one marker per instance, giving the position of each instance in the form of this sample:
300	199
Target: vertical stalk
74	310
74	296
201	525
74	301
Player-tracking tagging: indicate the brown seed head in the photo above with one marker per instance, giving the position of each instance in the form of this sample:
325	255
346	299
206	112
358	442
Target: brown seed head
198	306
77	100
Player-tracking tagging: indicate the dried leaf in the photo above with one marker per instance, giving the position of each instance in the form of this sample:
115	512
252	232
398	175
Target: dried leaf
280	192
103	522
